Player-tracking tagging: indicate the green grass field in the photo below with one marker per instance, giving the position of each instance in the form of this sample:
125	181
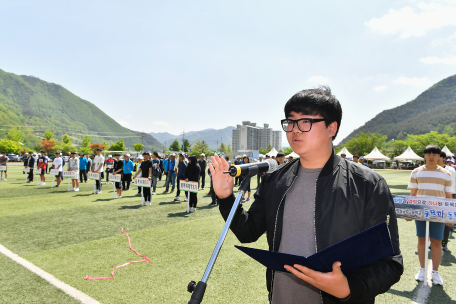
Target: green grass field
74	234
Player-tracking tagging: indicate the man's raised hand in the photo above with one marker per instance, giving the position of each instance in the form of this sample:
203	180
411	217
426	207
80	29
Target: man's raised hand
223	183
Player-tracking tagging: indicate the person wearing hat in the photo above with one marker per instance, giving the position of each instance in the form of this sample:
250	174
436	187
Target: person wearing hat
128	167
109	167
58	165
146	171
98	163
83	163
118	169
31	164
343	155
42	165
202	163
236	163
73	165
361	161
138	167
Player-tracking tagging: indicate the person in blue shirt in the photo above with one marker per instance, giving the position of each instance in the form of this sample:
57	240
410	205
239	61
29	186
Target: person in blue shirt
83	162
128	167
171	173
165	169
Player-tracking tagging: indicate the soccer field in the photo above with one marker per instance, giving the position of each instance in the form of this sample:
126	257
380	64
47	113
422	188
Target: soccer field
74	234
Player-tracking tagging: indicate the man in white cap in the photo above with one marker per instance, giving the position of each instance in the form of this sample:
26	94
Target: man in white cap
58	165
202	163
109	167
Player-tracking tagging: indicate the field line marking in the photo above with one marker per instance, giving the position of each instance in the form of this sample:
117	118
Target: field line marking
423	292
71	291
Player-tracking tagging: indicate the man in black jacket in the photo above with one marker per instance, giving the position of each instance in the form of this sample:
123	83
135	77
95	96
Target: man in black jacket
312	203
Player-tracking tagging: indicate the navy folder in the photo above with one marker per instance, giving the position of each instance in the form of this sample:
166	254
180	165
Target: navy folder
359	250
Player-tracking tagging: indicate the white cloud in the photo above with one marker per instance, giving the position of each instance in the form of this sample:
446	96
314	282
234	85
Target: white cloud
437	60
160	123
318	79
408	21
129	116
415	81
380	88
123	123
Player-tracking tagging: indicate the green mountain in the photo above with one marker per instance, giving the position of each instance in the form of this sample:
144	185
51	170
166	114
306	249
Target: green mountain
35	105
432	110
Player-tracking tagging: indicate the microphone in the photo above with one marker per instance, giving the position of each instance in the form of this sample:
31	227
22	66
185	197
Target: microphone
267	165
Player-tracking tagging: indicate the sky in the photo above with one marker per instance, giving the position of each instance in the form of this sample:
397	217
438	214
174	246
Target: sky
169	66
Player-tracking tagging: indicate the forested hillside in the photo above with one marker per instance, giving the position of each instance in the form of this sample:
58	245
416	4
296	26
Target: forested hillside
432	110
27	101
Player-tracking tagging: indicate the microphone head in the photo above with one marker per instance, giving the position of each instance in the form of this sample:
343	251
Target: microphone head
272	165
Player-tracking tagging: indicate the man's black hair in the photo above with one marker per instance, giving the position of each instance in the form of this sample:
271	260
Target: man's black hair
442	154
355	155
146	153
3	152
317	101
434	149
156	153
280	154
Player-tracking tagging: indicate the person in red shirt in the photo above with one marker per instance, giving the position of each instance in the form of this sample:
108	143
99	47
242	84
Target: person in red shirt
42	165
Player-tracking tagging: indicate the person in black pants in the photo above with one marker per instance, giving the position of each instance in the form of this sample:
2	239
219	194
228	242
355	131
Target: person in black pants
212	192
146	171
138	167
118	169
192	174
237	162
31	165
202	164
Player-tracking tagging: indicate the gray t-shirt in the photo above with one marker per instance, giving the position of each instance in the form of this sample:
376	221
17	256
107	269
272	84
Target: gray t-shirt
298	238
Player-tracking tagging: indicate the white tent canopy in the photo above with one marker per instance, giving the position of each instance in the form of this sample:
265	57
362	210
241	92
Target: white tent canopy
293	154
408	155
376	154
345	151
273	152
447	151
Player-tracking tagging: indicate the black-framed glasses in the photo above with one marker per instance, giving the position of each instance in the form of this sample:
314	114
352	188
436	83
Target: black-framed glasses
304	124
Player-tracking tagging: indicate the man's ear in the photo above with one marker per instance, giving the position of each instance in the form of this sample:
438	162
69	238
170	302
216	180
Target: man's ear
332	128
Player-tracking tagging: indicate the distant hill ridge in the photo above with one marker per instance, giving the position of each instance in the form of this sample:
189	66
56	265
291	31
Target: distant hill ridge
432	110
30	101
211	136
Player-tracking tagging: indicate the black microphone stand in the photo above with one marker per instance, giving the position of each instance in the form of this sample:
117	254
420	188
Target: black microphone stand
199	289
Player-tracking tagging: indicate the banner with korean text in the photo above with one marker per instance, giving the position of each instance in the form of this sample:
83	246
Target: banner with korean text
94	175
188	186
115	177
54	172
426	208
142	182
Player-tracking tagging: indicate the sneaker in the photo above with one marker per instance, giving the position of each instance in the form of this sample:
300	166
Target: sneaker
99	192
58	186
212	204
172	191
166	191
436	279
138	194
192	210
147	203
420	276
243	199
202	188
185	199
77	189
43	183
153	193
72	189
445	248
119	196
142	203
247	200
4	179
177	198
107	183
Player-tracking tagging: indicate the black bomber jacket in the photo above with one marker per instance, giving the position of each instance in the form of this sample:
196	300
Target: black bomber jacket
349	199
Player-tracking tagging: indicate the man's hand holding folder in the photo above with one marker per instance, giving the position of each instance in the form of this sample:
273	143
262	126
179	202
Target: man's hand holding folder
335	283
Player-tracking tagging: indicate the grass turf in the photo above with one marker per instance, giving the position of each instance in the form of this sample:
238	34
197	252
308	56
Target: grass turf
74	234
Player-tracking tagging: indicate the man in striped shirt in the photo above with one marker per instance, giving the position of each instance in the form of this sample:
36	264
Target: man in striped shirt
430	180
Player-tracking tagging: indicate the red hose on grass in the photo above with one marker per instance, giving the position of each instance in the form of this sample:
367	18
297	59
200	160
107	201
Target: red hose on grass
112	273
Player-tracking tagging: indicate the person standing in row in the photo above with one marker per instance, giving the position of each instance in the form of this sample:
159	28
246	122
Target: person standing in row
202	164
146	172
31	166
89	163
171	176
192	174
47	161
237	162
180	168
128	167
165	170
109	167
82	168
25	158
58	165
42	164
138	167
156	170
98	163
4	162
118	169
246	160
280	158
73	165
